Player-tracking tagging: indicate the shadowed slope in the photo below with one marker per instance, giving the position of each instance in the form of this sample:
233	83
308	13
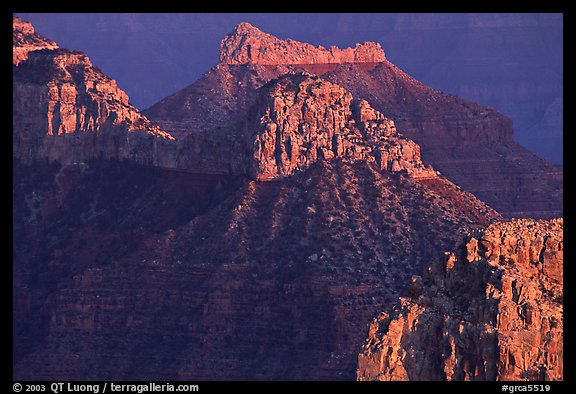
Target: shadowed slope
276	281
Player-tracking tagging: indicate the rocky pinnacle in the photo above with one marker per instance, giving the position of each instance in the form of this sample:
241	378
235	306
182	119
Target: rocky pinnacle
247	44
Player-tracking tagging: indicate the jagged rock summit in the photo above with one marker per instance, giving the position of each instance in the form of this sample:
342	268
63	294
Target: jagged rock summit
26	40
490	310
293	121
248	44
470	144
89	116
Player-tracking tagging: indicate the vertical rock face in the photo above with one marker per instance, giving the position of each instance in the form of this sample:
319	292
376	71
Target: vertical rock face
123	271
26	40
65	109
491	310
301	119
470	144
247	44
283	127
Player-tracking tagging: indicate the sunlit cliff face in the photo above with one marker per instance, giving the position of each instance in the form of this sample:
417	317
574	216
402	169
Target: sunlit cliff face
506	323
253	224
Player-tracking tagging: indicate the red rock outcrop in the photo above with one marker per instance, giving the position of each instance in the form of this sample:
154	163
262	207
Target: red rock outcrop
26	40
124	271
301	119
67	110
285	124
491	310
469	144
78	113
247	44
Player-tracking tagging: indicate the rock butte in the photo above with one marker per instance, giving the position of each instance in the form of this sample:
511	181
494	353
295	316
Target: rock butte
247	44
470	144
127	269
295	121
67	110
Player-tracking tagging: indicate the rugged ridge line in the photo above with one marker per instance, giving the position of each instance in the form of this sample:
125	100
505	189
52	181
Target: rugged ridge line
247	44
491	310
131	273
470	144
293	122
82	114
302	119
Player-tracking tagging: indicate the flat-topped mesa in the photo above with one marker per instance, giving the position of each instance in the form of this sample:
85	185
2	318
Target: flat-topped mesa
26	40
247	44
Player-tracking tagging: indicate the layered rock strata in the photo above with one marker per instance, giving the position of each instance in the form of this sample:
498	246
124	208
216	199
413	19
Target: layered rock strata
65	109
302	119
124	271
470	144
490	310
247	44
293	122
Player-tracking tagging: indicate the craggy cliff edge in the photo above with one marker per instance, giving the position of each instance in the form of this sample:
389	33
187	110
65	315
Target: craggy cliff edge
26	40
491	310
210	128
247	44
66	110
469	144
302	119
